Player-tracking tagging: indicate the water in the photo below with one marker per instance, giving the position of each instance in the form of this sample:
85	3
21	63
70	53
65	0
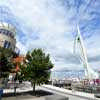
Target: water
67	74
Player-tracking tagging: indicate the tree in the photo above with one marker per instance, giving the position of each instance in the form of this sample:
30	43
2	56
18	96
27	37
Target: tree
36	67
6	64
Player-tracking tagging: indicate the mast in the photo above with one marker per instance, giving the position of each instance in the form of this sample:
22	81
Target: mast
89	72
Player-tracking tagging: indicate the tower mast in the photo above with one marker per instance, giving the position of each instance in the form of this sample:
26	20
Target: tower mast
89	72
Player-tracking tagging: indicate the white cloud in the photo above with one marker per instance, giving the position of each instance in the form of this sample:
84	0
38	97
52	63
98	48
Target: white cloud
48	24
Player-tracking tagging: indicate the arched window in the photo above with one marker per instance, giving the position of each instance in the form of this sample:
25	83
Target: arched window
7	44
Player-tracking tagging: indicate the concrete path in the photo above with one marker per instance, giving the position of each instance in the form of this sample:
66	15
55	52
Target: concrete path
24	98
73	95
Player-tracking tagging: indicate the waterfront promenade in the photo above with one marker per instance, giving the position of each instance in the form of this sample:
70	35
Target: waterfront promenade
72	95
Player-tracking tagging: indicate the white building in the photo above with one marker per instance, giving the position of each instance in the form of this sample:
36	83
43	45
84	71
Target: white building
7	36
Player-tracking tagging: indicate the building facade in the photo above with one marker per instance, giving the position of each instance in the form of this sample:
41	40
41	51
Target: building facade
7	36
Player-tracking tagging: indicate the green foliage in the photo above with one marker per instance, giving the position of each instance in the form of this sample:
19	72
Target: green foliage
6	52
5	62
36	67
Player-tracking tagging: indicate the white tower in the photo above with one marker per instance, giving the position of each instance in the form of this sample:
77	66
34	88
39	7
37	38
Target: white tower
89	72
7	36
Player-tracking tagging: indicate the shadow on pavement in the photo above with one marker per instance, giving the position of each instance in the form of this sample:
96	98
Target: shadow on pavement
38	93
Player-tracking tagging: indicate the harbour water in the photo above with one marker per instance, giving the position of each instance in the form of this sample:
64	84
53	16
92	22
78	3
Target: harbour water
67	74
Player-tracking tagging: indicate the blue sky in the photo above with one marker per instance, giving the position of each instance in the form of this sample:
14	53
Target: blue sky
51	25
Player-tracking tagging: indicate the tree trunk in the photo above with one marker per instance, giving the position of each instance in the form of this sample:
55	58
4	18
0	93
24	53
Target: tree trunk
15	87
15	90
34	88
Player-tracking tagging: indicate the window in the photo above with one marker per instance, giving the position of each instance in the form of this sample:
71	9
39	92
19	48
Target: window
7	44
7	32
17	51
0	31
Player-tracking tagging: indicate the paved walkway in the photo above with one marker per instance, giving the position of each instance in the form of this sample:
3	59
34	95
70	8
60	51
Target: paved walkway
73	95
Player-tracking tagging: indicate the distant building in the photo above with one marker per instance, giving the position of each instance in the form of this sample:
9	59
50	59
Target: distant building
7	36
20	59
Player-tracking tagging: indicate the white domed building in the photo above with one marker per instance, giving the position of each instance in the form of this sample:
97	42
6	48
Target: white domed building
7	36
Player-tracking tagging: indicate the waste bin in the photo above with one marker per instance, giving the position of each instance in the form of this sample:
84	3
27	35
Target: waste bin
1	93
